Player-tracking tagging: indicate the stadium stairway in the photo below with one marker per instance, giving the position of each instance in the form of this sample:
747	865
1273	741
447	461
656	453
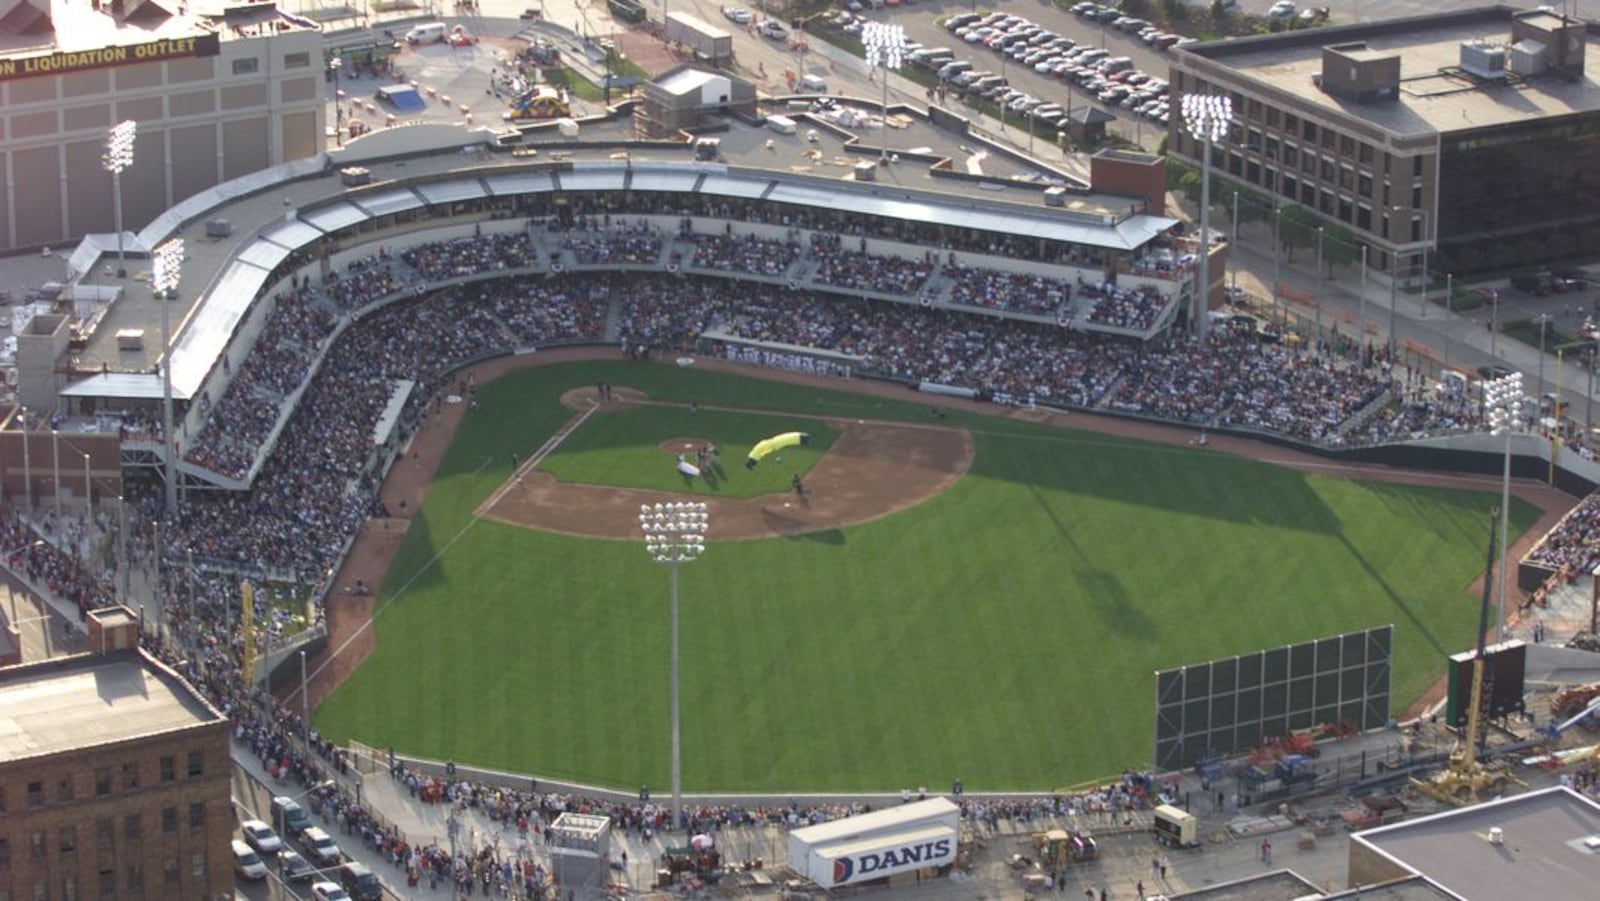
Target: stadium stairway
1359	417
611	333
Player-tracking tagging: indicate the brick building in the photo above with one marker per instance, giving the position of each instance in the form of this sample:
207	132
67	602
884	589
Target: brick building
114	778
1464	141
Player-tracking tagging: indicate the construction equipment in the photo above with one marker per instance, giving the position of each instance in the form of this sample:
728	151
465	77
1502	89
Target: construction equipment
1466	777
1058	849
1574	700
541	102
1293	769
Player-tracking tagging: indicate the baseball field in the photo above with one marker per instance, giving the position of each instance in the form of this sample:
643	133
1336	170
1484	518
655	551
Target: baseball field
955	595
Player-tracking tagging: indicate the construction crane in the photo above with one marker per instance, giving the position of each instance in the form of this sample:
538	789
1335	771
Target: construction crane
1466	777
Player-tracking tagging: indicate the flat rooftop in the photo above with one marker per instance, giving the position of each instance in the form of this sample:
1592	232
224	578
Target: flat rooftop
88	700
78	26
1434	95
1544	854
995	178
1278	885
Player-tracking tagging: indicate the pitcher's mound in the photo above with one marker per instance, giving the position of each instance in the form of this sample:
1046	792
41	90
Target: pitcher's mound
589	395
677	446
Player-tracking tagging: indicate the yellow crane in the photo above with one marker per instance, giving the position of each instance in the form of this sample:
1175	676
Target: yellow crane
1466	777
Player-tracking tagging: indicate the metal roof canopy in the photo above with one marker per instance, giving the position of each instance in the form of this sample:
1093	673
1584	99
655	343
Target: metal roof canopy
124	385
877	822
212	325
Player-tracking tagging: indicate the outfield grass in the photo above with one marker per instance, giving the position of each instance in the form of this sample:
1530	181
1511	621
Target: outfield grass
621	446
1004	632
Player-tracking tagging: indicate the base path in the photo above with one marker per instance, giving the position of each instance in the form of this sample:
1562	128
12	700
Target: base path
874	469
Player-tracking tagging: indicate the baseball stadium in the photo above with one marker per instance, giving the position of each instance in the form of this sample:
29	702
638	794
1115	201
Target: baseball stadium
972	453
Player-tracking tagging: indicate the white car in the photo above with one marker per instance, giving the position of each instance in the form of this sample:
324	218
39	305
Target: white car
737	14
261	837
1283	9
329	891
321	848
247	863
774	29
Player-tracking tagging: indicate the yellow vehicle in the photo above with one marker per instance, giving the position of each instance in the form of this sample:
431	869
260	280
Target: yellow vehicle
538	103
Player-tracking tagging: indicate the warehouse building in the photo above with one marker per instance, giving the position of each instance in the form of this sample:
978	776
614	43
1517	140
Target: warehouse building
1470	138
219	89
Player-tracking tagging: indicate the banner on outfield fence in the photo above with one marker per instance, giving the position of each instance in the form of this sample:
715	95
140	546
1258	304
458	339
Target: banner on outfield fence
1227	706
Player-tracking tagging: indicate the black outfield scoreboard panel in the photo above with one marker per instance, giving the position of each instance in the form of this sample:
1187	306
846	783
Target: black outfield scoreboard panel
1505	668
1229	705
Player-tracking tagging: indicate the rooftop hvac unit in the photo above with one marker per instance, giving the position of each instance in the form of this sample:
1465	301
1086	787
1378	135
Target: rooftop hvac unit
1483	59
867	171
218	228
355	176
1529	58
1056	196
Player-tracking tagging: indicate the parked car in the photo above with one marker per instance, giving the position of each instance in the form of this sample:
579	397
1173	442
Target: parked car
329	891
1283	9
246	862
321	848
737	14
772	28
260	836
295	868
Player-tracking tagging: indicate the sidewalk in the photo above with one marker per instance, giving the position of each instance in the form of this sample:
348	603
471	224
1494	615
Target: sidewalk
1452	338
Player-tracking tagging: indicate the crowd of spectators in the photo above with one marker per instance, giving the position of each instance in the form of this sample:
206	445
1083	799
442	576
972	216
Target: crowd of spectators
1135	309
863	271
471	255
1011	291
1574	544
757	256
615	241
236	426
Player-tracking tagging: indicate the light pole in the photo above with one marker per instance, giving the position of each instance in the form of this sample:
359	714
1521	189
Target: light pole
1317	309
166	269
117	158
1544	322
885	46
1233	237
336	64
1504	399
675	533
55	468
1277	250
1361	314
1449	311
27	459
1206	116
305	708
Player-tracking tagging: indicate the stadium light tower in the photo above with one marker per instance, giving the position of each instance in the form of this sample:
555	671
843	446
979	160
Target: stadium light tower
675	533
165	270
1206	117
117	158
885	46
1503	396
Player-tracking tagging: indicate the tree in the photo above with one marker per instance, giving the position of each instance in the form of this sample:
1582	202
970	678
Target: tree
1219	10
1339	248
1175	11
1297	228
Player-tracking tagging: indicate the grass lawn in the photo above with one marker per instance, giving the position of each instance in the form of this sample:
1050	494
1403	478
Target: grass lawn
1005	633
621	446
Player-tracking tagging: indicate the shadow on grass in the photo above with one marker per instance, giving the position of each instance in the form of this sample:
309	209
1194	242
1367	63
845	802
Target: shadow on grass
799	530
1103	589
1399	603
418	550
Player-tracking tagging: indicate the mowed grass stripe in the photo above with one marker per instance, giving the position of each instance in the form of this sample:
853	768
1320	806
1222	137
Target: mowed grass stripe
1004	632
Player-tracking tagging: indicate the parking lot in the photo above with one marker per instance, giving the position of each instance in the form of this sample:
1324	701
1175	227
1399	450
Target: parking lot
1039	59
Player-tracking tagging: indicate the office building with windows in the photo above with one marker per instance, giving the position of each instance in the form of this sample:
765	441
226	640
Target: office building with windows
219	89
114	777
1465	141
